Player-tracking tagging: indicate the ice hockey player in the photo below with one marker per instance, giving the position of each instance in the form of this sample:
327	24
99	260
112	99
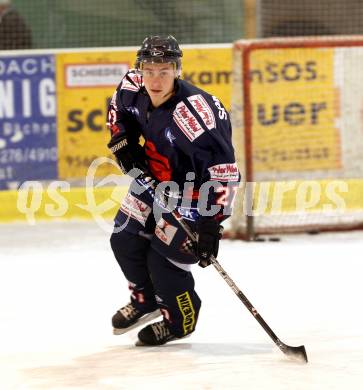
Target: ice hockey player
187	134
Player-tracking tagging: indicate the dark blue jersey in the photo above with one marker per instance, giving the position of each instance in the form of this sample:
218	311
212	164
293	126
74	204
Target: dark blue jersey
190	132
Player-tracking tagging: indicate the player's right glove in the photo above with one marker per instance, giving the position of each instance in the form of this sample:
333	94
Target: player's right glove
129	155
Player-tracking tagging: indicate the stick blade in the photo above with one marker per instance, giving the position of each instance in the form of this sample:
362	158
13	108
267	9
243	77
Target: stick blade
295	353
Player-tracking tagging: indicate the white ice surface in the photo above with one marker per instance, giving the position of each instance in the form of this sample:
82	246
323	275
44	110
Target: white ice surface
59	286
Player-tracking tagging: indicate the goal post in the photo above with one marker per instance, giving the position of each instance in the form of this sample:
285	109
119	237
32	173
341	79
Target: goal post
297	117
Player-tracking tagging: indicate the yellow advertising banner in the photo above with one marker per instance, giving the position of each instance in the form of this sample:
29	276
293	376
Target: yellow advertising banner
295	108
210	69
85	83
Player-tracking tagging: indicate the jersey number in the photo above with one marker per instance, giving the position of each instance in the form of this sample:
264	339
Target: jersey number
227	195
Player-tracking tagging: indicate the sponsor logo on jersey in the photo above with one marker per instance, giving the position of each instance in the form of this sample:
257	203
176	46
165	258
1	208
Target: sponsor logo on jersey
221	111
135	208
203	109
191	214
187	122
224	172
169	136
131	82
186	308
165	231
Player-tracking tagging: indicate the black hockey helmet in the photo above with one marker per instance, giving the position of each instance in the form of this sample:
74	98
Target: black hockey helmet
157	48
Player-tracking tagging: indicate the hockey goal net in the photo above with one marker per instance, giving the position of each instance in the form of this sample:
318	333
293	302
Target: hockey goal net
297	116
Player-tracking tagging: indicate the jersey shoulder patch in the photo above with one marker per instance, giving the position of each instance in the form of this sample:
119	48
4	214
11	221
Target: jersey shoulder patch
132	81
203	109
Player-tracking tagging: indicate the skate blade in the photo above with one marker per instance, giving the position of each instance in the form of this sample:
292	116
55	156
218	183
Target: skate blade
146	318
139	343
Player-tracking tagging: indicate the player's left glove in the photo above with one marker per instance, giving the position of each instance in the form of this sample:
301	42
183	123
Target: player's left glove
209	232
129	154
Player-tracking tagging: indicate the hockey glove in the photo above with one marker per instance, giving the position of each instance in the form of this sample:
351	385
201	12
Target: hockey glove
128	155
209	232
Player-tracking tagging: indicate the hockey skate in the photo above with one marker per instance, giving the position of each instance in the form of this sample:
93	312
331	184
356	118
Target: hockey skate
128	317
155	334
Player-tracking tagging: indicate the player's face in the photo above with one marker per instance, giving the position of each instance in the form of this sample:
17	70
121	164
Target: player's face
159	81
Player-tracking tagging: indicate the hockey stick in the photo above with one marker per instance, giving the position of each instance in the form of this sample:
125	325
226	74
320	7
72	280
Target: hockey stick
295	353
